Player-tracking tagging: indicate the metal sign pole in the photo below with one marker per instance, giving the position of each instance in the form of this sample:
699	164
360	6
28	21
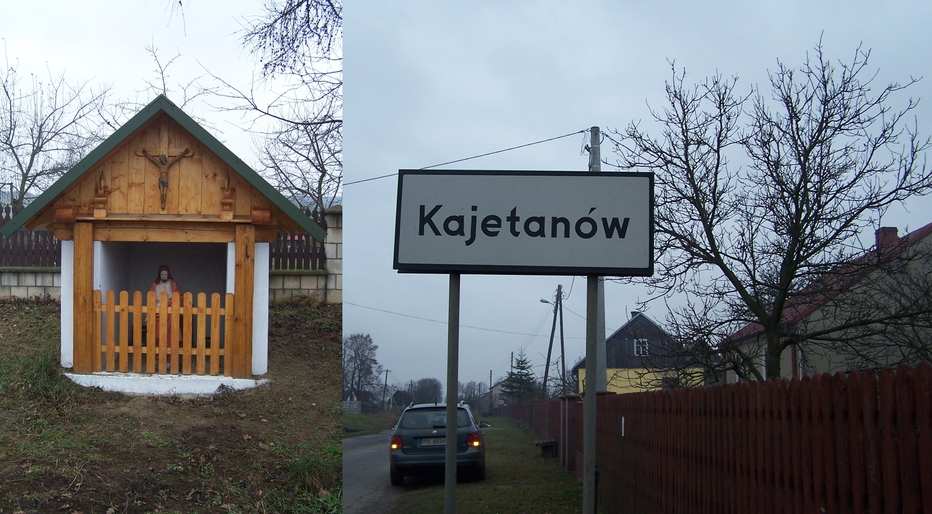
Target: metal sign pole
592	292
453	344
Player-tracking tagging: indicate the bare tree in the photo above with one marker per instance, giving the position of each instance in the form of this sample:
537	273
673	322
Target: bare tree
46	126
758	195
180	93
299	43
305	161
361	370
293	35
295	107
472	390
427	390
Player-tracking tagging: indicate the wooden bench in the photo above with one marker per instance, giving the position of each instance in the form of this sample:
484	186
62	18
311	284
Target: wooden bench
548	447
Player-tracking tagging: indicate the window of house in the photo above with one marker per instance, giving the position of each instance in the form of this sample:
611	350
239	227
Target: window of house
640	347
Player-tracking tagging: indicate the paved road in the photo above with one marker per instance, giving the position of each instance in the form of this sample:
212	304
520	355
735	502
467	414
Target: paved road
366	486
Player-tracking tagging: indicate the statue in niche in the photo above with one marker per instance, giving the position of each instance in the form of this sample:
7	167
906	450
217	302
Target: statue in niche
165	283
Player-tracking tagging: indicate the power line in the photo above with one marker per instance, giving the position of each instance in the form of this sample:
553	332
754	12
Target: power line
469	158
506	149
444	322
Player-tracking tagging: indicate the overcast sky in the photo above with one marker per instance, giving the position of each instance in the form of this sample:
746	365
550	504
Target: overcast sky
430	82
104	43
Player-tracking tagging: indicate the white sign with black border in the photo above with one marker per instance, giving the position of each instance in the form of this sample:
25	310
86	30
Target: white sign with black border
524	222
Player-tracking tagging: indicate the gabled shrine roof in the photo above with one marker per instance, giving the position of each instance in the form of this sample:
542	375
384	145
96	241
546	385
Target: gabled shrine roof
161	104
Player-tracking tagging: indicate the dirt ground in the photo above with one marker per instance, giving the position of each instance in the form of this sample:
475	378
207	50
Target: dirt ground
275	448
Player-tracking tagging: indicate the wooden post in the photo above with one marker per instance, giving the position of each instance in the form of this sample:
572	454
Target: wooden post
83	286
244	276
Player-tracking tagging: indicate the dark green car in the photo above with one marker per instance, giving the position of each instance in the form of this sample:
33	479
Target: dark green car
419	442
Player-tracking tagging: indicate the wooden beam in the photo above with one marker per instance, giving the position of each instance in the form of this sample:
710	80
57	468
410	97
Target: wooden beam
244	275
173	233
83	307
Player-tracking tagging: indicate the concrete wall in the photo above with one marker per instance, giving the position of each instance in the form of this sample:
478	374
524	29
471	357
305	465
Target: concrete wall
18	282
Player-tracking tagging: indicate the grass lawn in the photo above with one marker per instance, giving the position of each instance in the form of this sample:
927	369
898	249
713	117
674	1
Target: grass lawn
273	449
355	425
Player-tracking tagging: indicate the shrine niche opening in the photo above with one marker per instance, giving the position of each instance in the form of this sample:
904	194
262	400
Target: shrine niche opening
131	325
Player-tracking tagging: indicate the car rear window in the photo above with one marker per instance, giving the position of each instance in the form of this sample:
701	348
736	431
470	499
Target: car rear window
432	418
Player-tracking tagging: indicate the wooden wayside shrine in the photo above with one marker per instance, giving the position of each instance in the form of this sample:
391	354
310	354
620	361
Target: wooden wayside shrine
162	189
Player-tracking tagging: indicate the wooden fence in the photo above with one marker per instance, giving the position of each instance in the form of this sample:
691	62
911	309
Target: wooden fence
39	248
191	348
850	443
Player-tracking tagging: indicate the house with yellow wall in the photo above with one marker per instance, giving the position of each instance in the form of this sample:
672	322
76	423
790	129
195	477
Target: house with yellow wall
636	357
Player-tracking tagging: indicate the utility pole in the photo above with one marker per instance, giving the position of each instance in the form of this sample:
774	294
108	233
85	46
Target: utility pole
553	329
562	349
384	388
490	392
595	357
601	378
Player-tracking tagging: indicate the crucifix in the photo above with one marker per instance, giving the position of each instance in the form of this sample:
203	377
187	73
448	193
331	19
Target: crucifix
164	161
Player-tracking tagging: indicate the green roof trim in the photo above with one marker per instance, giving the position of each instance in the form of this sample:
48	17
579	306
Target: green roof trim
163	104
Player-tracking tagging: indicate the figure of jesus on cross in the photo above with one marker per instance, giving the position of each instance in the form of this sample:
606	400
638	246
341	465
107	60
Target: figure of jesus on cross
164	162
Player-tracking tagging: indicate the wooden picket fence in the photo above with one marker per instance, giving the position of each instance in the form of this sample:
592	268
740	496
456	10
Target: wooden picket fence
201	353
859	442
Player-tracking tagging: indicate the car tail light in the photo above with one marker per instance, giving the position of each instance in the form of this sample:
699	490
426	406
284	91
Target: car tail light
473	440
396	442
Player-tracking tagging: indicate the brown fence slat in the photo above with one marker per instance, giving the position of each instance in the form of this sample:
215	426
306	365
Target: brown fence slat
96	329
769	500
906	424
806	446
872	465
185	346
856	443
215	335
796	456
136	345
922	382
888	445
124	331
110	324
202	346
841	434
161	340
151	329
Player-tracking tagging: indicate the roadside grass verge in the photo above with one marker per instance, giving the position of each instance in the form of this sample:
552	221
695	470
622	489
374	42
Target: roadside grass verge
355	425
518	480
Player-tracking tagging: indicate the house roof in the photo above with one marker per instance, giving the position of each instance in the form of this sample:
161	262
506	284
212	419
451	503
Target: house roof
163	105
637	318
832	284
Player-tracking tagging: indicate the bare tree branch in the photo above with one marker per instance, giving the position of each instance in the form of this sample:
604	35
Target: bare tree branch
758	197
46	126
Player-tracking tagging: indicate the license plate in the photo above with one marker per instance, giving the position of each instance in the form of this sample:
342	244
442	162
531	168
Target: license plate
433	441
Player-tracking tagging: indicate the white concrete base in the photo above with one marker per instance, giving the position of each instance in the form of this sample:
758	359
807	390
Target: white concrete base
137	383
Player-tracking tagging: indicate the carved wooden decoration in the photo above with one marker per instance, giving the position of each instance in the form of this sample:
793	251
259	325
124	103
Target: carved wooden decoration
100	197
164	162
